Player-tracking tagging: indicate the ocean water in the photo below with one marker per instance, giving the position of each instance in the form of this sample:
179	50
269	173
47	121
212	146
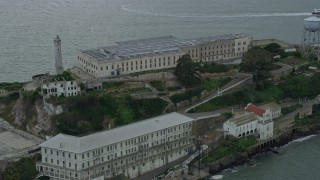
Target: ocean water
298	160
27	27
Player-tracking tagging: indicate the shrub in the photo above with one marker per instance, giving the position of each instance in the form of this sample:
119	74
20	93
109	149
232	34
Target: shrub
188	95
24	169
15	86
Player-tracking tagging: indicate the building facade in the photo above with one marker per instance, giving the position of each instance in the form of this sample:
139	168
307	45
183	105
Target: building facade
241	126
130	150
140	55
60	88
256	121
274	109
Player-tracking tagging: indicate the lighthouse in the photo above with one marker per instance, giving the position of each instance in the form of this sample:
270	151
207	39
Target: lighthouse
58	55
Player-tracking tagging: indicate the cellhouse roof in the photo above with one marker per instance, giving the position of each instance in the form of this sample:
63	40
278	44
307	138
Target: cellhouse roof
152	46
96	140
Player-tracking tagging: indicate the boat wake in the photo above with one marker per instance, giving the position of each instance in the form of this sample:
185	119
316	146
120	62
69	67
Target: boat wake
298	140
304	138
127	8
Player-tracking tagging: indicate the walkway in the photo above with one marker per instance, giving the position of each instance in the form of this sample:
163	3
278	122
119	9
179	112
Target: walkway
16	143
238	79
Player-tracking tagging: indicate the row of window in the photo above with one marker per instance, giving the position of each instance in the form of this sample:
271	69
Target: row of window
129	142
111	157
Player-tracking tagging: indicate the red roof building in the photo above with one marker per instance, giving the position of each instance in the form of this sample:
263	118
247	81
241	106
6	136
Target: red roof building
256	110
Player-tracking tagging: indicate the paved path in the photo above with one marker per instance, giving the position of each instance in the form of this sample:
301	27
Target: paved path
81	74
25	135
238	79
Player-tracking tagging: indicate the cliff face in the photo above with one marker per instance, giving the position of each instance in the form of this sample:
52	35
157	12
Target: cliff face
32	116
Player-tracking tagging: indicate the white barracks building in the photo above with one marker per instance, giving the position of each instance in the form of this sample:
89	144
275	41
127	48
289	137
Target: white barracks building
131	150
127	57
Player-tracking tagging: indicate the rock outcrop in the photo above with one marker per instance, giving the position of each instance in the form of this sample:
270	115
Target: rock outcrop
32	116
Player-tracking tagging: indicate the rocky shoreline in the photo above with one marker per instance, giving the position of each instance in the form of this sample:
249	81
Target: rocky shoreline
242	158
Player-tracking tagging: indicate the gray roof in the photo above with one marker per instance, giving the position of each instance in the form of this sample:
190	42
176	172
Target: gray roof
82	144
151	46
243	119
224	37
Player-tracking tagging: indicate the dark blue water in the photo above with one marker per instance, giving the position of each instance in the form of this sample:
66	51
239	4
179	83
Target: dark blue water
27	27
299	160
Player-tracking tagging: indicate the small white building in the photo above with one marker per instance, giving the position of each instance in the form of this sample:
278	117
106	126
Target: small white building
257	120
268	111
241	126
60	88
274	108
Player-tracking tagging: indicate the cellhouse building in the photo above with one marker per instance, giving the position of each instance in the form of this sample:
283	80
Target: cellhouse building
140	55
131	150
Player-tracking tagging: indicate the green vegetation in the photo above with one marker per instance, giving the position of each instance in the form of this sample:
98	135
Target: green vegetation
112	85
207	84
258	62
187	95
15	86
9	101
241	97
31	96
89	113
186	71
230	146
6	100
140	90
24	169
293	86
215	83
311	119
294	61
275	49
213	68
289	109
66	75
159	85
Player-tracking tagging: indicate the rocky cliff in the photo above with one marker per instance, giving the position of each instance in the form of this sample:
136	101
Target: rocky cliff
31	115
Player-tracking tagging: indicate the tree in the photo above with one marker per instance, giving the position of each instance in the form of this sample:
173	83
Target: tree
275	49
259	63
23	169
186	71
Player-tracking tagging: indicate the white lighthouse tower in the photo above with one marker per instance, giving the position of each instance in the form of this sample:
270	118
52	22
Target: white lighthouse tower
58	55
